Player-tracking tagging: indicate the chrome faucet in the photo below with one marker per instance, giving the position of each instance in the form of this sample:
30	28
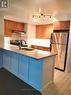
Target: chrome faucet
24	41
20	43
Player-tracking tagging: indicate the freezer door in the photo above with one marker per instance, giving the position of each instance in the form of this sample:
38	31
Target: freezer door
59	38
60	58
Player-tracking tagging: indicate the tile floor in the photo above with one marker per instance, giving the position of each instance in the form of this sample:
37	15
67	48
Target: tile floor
10	85
61	85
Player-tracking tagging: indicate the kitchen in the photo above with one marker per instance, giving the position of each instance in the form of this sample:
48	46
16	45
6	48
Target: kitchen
36	30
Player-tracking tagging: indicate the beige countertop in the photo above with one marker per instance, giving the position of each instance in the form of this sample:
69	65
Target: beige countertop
37	54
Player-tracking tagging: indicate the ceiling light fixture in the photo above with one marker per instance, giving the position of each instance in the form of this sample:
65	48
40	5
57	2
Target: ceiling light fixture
41	15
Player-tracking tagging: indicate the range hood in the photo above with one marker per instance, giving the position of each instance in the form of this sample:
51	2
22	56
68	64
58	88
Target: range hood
18	31
18	35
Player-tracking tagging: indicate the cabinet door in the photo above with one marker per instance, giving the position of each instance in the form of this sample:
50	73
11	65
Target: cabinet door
6	60
35	73
14	63
1	58
23	67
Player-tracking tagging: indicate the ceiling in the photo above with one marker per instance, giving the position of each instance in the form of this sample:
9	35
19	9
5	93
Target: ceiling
22	10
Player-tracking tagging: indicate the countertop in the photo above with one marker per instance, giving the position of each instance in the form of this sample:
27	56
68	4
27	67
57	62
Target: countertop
37	54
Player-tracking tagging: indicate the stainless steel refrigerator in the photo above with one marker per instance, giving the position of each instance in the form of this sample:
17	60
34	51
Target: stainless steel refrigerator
59	45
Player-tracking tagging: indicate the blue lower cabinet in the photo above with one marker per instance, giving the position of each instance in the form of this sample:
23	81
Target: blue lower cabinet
14	63
35	73
6	60
1	58
23	67
28	69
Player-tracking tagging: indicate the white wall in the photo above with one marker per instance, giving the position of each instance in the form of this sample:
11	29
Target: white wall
1	25
1	29
31	32
41	42
68	64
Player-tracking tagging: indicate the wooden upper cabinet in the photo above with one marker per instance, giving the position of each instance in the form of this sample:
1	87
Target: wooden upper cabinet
12	25
61	25
44	31
18	26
